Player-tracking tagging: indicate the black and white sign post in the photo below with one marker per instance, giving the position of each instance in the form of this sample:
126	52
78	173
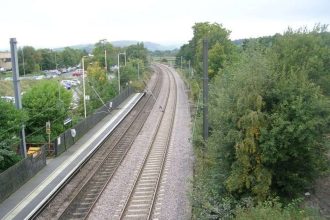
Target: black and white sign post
48	132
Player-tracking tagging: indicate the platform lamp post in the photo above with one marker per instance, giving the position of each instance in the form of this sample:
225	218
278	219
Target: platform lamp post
105	62
55	60
48	132
104	42
22	50
138	70
84	89
119	69
17	89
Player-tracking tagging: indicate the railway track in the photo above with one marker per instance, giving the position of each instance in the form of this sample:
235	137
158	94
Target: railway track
83	202
140	202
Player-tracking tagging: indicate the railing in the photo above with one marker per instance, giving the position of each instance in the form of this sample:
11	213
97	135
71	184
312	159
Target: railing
15	176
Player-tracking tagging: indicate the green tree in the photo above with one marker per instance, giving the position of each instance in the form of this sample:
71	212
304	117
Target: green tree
47	61
70	57
217	59
99	53
11	121
220	47
128	73
305	50
269	125
99	87
137	51
280	120
32	60
47	101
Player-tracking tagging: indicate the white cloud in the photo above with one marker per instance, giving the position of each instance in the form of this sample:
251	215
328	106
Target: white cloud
46	23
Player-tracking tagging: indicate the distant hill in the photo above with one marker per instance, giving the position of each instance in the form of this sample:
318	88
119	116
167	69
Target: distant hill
149	45
125	43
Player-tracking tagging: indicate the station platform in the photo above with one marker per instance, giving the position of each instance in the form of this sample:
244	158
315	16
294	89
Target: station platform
32	195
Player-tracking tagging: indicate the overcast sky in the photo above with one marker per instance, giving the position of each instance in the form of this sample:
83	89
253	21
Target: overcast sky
57	23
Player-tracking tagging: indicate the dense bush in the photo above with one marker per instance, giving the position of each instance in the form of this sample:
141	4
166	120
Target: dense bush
46	101
11	120
274	210
269	117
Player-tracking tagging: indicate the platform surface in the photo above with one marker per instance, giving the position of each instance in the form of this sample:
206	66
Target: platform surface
27	199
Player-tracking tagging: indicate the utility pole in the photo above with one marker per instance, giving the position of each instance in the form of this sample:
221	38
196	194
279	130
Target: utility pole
181	63
23	60
17	88
104	42
205	90
138	70
189	69
84	89
105	61
55	60
118	75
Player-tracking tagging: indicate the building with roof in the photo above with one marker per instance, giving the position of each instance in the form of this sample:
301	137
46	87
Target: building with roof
5	60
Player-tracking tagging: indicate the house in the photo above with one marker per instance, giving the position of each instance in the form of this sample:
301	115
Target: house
5	60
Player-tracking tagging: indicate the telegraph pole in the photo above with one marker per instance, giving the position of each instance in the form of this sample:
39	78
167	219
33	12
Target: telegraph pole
181	62
17	88
205	89
118	75
105	61
23	60
189	72
138	70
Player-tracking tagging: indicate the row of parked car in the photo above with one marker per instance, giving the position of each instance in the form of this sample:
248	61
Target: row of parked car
68	83
2	69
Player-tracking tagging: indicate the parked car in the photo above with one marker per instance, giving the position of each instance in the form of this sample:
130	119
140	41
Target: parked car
8	98
74	82
71	69
39	77
78	72
55	72
66	84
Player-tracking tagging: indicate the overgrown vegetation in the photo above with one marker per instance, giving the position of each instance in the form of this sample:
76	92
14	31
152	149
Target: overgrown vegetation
11	121
269	116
